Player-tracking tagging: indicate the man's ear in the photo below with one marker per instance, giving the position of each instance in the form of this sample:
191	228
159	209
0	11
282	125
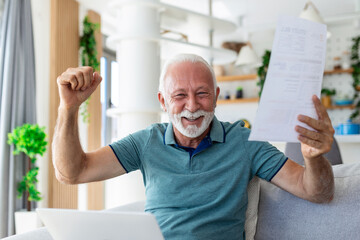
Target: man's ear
162	101
217	94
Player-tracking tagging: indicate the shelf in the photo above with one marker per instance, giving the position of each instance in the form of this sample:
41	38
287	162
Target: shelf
254	76
240	100
338	71
236	78
219	55
341	107
351	138
172	16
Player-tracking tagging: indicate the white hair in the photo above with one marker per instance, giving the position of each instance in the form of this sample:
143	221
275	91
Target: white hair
192	58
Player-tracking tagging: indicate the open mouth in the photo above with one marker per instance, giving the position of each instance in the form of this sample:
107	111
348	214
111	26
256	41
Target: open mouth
192	119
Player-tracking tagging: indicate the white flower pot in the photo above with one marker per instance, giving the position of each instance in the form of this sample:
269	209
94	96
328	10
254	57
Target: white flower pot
26	221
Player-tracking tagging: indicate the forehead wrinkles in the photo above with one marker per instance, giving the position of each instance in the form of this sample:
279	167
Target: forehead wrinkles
183	70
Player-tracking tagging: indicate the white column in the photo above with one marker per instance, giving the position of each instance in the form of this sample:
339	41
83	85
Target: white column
139	70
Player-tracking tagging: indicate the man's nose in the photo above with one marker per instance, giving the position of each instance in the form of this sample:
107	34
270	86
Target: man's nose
192	104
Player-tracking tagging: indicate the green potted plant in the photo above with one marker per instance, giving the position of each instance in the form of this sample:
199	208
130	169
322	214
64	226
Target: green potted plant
355	58
88	54
326	96
239	92
262	71
30	140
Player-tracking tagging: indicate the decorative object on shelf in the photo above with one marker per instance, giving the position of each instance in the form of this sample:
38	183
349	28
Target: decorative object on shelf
88	55
227	95
247	123
345	63
326	96
30	140
239	92
343	102
347	128
337	63
218	70
263	70
235	46
355	58
174	35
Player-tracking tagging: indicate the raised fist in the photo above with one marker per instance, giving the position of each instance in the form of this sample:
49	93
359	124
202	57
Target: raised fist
76	85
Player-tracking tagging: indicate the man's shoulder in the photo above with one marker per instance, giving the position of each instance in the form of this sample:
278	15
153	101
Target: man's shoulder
158	127
154	130
235	127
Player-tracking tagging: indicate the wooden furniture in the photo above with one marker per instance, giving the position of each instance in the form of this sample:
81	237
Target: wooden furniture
248	77
255	77
340	71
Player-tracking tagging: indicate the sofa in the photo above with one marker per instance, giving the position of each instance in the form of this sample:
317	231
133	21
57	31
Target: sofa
275	214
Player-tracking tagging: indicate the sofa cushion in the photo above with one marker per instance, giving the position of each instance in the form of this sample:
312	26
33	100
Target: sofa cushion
284	216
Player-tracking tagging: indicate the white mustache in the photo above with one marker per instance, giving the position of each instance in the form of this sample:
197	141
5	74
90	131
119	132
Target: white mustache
190	115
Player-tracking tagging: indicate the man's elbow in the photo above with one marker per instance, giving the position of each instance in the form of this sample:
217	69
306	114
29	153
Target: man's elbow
323	197
65	180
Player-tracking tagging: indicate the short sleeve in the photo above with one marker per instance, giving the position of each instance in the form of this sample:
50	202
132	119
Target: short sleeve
129	150
266	159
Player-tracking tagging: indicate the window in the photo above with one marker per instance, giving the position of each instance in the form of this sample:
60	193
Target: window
109	91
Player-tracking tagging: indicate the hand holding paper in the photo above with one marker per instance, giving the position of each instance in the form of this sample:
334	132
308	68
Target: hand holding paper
295	74
316	143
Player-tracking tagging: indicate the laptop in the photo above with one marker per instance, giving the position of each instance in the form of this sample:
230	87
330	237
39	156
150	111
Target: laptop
67	224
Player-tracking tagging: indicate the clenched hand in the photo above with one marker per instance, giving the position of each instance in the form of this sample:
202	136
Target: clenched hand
76	85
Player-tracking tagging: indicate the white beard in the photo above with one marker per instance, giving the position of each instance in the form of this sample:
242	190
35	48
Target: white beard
191	131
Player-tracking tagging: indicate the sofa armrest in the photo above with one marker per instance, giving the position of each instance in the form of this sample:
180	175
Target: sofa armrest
284	216
38	234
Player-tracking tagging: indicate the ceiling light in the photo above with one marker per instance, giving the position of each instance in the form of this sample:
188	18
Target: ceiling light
247	57
311	13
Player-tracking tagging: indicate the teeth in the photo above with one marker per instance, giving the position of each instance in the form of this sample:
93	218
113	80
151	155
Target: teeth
192	119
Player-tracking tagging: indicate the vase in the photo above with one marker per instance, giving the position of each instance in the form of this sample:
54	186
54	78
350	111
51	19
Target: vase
326	101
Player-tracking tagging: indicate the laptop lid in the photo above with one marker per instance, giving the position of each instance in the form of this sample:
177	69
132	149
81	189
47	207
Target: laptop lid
65	224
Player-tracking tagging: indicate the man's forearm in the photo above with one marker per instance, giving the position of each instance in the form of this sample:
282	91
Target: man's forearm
318	180
68	156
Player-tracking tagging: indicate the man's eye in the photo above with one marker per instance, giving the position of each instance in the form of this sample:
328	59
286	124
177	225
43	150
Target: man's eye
202	93
181	95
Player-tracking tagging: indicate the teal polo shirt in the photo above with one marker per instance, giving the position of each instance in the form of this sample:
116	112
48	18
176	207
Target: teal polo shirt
202	195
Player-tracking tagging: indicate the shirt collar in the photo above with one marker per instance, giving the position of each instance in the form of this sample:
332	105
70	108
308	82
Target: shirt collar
217	133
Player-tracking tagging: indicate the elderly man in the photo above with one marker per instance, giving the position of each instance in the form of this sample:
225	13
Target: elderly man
195	169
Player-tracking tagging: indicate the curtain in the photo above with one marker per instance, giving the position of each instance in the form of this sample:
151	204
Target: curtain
17	100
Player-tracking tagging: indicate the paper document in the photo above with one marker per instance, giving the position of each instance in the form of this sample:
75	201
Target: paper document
295	74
